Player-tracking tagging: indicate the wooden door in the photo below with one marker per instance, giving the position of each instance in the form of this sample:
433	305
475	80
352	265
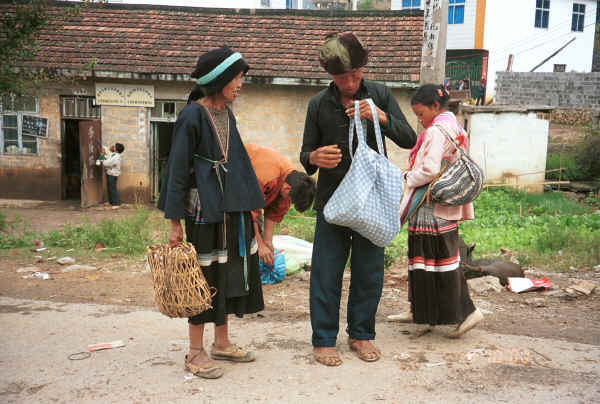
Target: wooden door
90	144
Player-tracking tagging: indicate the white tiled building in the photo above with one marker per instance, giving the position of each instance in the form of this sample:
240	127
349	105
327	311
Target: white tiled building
530	30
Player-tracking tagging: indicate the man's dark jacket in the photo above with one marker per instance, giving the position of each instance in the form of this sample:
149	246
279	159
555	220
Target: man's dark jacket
328	124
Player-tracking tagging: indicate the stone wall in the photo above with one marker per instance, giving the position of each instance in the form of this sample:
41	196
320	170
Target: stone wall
560	90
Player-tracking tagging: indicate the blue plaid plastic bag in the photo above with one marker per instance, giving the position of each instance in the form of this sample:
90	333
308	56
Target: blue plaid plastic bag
368	198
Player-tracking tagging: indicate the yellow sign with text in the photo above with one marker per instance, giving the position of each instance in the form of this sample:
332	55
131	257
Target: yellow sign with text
127	95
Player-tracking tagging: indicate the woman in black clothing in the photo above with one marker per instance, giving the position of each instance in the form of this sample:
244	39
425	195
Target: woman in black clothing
207	154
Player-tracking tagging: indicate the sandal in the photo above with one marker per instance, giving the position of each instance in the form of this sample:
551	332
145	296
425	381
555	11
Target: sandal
328	359
232	353
211	371
366	354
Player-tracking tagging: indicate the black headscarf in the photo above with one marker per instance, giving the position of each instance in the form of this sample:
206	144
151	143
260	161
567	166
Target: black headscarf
212	74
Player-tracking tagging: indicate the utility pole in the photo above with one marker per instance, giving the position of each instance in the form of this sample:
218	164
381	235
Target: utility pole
554	54
596	54
435	27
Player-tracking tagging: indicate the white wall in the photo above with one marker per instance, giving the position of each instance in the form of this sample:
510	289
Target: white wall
509	29
462	36
509	144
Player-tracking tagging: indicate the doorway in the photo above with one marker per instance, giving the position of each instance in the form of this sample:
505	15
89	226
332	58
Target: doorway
162	134
71	160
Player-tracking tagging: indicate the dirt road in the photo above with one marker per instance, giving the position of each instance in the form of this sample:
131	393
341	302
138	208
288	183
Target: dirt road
532	347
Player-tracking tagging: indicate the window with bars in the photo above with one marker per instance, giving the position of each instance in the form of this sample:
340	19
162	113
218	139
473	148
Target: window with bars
80	107
456	12
166	110
12	140
542	13
411	4
578	17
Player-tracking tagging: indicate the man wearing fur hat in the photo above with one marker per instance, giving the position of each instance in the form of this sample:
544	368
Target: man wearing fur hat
325	148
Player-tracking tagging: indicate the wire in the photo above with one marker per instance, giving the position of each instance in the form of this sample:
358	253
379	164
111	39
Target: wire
499	56
529	39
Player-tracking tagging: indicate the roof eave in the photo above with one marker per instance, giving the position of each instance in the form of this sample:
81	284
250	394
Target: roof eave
281	81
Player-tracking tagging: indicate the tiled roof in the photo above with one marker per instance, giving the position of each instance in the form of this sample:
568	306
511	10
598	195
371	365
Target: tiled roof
153	40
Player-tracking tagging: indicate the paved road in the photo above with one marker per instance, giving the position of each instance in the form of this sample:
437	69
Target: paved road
38	337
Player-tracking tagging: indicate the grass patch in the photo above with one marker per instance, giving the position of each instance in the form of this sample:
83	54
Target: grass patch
545	230
542	229
14	233
128	235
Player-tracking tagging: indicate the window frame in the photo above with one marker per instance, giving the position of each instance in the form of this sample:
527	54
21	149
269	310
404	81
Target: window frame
178	104
19	116
578	18
412	4
454	5
543	11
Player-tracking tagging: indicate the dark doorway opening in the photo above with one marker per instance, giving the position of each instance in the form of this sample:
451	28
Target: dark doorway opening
163	132
71	160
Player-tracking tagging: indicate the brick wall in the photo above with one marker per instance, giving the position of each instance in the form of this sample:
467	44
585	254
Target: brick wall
130	126
561	90
269	115
36	176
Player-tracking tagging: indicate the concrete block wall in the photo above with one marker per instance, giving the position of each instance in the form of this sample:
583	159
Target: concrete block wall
561	90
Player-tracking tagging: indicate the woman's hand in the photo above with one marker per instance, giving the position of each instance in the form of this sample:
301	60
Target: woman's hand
176	234
365	112
266	253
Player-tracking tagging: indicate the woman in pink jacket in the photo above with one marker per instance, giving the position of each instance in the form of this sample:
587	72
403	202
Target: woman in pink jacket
437	287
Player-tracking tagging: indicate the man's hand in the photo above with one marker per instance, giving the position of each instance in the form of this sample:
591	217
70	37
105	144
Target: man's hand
266	254
176	235
326	156
365	112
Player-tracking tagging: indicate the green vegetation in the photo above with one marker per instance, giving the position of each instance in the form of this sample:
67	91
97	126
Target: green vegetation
581	163
572	171
130	234
546	230
542	229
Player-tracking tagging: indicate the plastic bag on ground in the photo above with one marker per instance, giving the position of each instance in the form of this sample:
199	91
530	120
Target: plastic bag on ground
272	274
298	252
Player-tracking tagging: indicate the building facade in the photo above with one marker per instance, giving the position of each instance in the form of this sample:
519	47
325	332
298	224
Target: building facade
122	83
485	37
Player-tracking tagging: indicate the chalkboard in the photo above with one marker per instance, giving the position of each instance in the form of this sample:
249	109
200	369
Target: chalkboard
35	126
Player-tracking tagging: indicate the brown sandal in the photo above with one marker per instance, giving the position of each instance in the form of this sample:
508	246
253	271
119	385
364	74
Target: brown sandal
232	353
328	359
366	354
211	371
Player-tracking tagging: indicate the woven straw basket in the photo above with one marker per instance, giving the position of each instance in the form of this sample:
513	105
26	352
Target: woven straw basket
180	289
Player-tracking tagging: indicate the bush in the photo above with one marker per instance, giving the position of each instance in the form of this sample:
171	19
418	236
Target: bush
14	233
573	171
587	152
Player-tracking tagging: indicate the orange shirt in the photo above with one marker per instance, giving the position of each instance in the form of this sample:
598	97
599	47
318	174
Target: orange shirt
271	168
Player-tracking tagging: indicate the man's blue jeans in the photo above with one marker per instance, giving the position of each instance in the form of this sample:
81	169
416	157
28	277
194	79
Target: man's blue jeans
331	248
113	193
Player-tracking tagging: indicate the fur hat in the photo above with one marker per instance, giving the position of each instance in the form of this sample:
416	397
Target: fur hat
341	53
216	68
